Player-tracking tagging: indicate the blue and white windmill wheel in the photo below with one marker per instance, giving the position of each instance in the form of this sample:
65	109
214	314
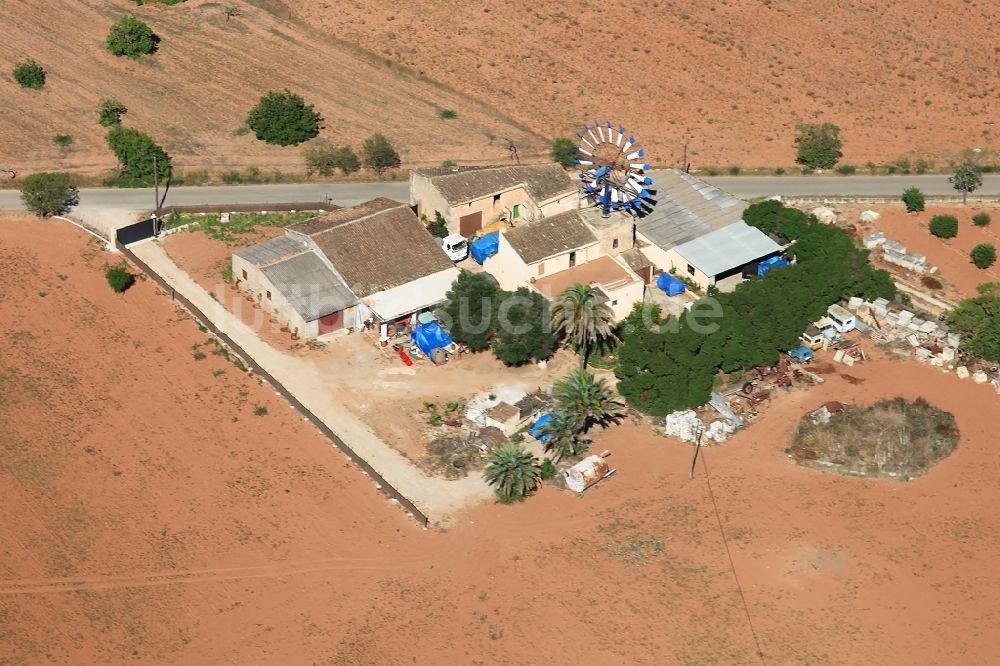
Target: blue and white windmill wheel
613	170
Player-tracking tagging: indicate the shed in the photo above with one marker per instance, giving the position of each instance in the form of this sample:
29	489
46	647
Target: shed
586	473
504	416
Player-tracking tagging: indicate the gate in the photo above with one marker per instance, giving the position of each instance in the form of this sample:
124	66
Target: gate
136	232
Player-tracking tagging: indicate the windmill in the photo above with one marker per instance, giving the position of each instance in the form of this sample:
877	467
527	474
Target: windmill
612	170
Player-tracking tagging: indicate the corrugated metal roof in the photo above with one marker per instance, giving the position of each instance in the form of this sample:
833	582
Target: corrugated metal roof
309	286
687	208
268	252
727	248
461	184
550	236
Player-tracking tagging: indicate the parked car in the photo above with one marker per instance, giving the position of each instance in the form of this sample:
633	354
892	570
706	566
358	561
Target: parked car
801	353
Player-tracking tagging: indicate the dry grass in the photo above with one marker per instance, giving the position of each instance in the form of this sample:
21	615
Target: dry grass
896	439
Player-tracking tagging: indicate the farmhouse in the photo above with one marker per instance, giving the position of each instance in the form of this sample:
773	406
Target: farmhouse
697	230
471	199
375	262
552	254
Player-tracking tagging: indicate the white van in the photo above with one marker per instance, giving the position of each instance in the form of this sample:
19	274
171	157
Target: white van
455	246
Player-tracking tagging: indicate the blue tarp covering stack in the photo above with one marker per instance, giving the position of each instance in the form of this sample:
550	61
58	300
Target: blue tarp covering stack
671	285
536	427
429	337
766	265
485	246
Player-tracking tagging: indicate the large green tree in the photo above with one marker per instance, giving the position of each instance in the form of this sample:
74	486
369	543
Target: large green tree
513	472
524	332
378	154
966	178
818	145
47	194
469	309
583	317
283	118
139	158
132	38
977	320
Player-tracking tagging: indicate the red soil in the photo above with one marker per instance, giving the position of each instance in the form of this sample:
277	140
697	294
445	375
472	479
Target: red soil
141	522
951	255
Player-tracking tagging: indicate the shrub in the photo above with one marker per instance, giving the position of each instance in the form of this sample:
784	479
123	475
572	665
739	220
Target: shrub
63	140
378	154
819	145
447	114
779	171
983	255
548	468
110	112
136	152
323	157
846	169
944	226
131	38
563	152
981	219
734	170
47	194
29	74
260	410
284	119
914	200
119	277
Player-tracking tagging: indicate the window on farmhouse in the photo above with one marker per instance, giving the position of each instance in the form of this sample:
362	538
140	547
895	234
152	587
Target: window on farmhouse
614	244
244	275
690	269
541	268
268	295
496	199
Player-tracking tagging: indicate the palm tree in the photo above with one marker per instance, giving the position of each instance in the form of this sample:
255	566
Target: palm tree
559	434
588	399
514	472
584	319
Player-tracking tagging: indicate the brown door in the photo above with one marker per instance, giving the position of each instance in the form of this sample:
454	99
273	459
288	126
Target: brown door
469	224
331	322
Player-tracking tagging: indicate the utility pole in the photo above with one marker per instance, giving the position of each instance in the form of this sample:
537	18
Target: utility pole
156	185
697	446
513	151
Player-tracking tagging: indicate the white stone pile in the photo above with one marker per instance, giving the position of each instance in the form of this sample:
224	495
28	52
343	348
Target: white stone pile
894	252
686	424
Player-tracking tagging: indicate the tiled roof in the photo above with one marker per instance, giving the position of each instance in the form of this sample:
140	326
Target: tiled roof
270	251
377	245
550	236
461	184
309	285
687	208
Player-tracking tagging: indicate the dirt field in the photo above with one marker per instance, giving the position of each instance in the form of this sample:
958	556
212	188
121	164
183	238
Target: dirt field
732	79
952	255
141	522
195	93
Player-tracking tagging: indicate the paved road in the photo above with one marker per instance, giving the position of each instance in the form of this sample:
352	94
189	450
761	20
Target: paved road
93	200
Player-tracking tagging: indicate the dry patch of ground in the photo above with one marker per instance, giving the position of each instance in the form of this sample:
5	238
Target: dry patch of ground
253	541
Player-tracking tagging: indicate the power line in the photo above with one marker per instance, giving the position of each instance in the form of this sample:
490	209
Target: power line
732	565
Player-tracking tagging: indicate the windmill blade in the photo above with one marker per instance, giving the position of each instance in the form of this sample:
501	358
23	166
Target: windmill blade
600	132
640	166
584	140
581	150
591	133
628	144
584	162
621	136
636	155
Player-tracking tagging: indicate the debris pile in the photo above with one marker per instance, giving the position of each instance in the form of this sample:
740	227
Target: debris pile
894	252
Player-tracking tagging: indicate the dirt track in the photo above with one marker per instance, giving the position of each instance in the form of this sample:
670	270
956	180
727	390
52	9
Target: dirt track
197	539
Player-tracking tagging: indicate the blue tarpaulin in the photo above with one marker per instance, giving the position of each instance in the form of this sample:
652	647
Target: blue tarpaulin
774	262
429	337
485	246
671	285
536	427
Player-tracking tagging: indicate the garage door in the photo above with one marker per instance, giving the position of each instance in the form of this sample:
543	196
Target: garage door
468	225
331	322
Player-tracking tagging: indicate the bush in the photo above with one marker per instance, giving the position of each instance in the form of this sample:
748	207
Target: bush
47	194
779	171
944	226
734	170
284	119
563	152
378	154
981	219
846	169
62	140
29	74
983	255
977	320
131	38
110	112
322	157
914	200
548	469
135	152
119	277
447	114
818	145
